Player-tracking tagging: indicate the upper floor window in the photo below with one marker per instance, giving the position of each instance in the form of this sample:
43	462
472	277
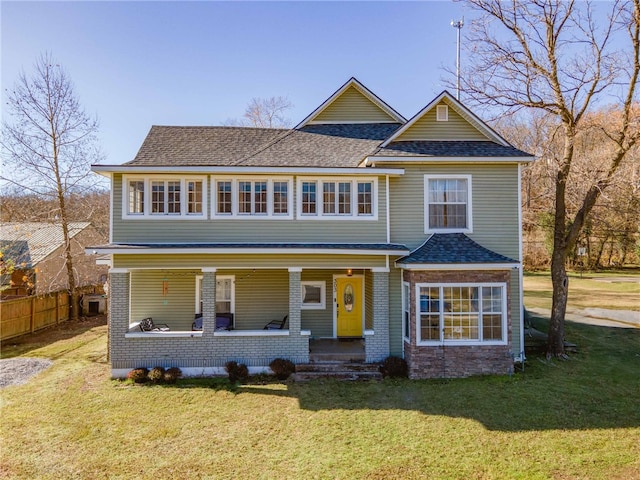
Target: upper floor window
447	203
166	197
252	198
337	199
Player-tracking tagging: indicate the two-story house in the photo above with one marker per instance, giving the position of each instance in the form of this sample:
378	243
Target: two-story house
357	223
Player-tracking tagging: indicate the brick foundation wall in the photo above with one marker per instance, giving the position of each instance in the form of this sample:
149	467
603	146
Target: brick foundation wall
458	361
207	351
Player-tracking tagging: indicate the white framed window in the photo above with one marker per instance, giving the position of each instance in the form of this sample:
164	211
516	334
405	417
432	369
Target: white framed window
337	199
164	197
461	314
225	294
406	311
252	198
135	196
313	295
442	113
447	203
309	198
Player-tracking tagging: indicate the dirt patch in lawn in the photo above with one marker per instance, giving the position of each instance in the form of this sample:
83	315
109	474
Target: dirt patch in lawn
16	371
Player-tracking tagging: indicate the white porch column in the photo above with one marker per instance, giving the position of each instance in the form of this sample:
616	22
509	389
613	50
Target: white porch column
295	300
208	300
377	345
118	311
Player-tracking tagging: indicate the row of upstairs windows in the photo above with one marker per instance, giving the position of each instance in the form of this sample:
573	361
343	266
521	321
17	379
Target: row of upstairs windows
447	205
318	198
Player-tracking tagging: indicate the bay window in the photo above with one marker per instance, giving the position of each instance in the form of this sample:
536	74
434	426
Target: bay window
461	313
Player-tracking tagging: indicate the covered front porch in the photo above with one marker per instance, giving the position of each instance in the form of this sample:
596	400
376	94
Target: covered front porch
349	300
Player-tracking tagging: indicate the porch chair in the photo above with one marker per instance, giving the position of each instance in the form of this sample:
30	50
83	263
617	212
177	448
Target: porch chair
224	321
147	325
276	324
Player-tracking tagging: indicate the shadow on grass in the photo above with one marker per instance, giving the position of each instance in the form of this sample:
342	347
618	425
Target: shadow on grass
25	344
596	388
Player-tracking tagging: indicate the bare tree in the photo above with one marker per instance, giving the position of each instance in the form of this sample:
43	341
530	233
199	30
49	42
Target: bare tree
552	55
48	145
264	113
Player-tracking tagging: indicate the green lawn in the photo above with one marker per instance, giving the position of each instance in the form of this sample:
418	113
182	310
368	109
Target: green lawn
614	290
577	419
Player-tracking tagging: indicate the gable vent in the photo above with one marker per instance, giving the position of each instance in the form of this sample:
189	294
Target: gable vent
442	113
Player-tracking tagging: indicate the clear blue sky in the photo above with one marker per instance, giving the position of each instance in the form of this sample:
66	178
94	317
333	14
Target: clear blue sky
136	64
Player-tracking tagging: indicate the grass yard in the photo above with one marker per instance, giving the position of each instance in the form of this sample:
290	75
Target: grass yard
619	290
577	419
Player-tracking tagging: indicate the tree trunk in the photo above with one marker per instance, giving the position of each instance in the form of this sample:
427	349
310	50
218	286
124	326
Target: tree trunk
560	281
71	279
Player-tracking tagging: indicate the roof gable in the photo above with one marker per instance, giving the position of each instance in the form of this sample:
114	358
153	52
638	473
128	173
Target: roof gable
353	103
461	125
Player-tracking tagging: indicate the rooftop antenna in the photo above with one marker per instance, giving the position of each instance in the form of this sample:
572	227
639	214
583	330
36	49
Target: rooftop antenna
458	24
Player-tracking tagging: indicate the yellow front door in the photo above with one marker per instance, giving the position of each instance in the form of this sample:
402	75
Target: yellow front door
349	306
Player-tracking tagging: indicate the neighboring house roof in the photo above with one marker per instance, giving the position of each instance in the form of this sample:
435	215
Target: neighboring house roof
30	243
453	248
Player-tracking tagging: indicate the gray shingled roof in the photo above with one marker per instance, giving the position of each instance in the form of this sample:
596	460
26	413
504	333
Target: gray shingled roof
450	248
184	146
450	149
321	145
365	131
305	149
30	243
312	146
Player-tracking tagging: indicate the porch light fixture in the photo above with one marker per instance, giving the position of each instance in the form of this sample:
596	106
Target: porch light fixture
349	272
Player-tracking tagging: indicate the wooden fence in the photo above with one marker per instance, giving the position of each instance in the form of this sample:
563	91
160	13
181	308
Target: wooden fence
30	314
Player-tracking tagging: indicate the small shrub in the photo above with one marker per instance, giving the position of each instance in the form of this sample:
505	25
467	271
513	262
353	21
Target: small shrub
282	368
138	375
172	375
394	367
237	371
156	375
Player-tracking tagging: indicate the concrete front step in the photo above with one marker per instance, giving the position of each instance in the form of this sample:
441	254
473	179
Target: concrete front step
337	366
336	357
337	370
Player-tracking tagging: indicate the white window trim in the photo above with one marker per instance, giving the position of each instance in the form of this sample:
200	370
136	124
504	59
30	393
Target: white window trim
320	215
218	277
184	197
323	295
469	228
406	308
442	113
235	214
442	341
